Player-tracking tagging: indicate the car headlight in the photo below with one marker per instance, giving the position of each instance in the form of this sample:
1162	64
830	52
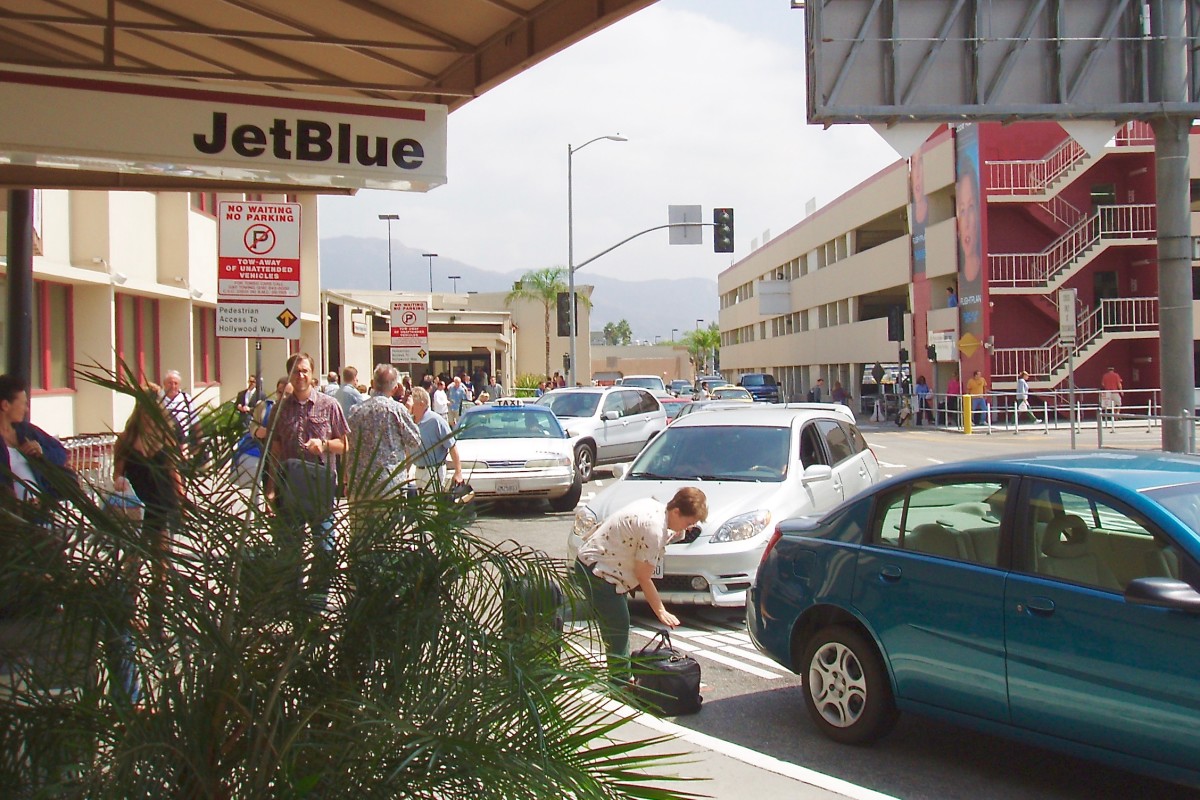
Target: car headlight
543	463
585	522
743	526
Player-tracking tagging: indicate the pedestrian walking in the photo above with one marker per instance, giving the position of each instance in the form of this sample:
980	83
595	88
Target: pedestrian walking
619	558
246	400
183	411
310	432
437	445
1022	398
924	401
385	439
348	395
1111	387
439	400
977	389
456	396
146	458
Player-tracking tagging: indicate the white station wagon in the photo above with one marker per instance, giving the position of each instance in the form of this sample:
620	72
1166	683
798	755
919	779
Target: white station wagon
757	467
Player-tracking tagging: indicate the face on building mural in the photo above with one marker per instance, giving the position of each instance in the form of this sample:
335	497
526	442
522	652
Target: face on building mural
966	204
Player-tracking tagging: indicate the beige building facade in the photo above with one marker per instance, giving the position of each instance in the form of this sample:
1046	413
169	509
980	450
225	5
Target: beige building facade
468	332
131	277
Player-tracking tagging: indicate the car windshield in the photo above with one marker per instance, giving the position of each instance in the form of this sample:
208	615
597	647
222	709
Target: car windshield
1182	501
571	404
758	380
672	409
509	423
644	383
715	453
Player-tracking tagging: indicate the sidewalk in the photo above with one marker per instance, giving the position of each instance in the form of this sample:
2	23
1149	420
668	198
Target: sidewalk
721	769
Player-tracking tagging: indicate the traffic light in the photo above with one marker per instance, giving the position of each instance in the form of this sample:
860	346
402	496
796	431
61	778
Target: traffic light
903	355
564	315
722	230
896	324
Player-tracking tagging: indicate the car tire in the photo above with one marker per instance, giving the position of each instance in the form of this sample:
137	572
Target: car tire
585	462
846	688
568	501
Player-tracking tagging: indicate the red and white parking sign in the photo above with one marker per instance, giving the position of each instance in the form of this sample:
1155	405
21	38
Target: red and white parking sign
258	264
410	332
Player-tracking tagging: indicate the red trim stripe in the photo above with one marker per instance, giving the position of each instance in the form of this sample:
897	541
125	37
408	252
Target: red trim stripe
212	96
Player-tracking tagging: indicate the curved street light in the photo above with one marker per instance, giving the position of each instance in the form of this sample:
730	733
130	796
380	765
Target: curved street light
389	218
431	257
571	151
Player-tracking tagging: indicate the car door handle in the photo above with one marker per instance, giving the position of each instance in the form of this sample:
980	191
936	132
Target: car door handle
890	573
1038	606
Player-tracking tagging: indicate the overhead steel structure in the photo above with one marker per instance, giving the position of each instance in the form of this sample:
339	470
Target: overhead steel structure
895	61
443	53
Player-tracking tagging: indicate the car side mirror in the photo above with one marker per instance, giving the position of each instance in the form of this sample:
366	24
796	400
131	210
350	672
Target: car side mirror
619	470
1163	593
817	473
610	415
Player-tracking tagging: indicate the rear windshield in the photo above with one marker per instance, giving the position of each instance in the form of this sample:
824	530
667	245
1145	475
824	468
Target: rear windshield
571	404
509	423
644	383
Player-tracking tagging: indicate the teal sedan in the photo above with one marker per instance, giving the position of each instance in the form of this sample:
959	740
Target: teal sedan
1052	598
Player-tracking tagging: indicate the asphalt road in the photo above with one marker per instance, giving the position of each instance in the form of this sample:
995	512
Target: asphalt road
756	703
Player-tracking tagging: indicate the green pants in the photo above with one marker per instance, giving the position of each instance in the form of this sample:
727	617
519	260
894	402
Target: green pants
612	614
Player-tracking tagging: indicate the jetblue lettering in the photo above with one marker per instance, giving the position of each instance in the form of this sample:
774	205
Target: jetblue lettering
314	141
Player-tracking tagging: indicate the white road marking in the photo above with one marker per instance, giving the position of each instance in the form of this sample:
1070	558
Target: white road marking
892	466
690	641
744	754
935	460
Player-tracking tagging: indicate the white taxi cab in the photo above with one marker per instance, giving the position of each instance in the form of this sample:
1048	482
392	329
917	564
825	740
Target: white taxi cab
512	450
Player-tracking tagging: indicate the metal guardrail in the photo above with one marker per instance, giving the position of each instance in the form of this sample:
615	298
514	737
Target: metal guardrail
90	456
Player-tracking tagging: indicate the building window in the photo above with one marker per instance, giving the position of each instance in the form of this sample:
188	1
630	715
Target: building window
137	336
52	347
206	356
205	203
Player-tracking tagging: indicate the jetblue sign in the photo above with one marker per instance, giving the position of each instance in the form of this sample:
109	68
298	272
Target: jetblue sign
77	120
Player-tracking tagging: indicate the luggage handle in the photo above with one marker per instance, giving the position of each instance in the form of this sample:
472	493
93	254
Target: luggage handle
662	635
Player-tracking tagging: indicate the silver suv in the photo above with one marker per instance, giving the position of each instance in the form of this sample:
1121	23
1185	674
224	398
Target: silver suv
606	424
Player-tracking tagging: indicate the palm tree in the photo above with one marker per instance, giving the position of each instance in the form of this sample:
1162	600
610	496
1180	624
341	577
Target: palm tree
433	673
544	286
701	343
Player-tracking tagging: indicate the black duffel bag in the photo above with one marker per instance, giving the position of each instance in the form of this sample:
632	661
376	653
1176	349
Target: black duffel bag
667	680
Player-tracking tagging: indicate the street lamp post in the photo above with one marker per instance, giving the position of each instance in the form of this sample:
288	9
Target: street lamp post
702	353
455	279
673	332
389	218
431	257
571	255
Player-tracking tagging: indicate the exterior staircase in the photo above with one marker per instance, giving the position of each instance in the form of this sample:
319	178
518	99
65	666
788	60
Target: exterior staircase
1047	365
1046	271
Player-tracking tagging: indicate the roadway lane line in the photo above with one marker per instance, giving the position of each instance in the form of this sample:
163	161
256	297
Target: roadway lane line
686	644
744	754
889	465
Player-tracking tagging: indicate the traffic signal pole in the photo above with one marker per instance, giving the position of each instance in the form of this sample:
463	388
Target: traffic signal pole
608	250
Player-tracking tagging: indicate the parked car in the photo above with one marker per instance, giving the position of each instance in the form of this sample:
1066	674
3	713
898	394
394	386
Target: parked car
731	393
510	449
673	406
756	466
680	387
606	424
1052	598
644	382
761	385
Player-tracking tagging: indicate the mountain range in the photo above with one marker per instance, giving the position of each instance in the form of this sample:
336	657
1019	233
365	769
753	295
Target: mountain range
652	307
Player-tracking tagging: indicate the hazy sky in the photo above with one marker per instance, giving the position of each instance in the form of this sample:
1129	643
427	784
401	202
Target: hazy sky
710	94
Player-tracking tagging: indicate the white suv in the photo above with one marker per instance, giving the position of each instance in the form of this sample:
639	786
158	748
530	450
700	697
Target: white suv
643	382
606	423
